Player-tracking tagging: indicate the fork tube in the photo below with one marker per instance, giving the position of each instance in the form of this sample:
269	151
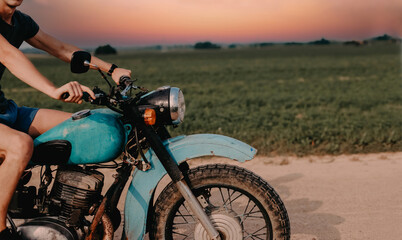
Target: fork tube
197	210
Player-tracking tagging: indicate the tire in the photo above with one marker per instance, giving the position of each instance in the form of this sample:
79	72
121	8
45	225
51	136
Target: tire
235	198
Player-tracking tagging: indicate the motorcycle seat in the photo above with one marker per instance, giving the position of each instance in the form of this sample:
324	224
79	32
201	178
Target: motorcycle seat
55	152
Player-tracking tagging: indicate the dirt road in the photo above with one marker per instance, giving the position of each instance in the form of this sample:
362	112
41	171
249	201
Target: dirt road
346	197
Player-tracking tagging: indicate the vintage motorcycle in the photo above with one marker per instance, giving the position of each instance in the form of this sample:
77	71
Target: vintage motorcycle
215	201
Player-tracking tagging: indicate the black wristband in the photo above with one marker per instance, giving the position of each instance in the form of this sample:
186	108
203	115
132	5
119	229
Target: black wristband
114	66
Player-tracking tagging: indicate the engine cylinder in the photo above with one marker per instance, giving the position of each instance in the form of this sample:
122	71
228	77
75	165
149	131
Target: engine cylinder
74	191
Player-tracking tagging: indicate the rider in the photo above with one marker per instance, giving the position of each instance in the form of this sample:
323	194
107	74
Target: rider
19	125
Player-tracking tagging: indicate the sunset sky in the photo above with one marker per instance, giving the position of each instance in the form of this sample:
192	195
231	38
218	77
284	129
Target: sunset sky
148	22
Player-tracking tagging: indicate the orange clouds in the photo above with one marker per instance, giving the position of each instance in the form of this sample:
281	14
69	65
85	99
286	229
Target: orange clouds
129	22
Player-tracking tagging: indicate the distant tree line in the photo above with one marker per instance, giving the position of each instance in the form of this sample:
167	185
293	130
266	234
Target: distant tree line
322	41
105	50
206	45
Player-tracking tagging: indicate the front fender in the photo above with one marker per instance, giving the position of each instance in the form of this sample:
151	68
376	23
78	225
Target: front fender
181	148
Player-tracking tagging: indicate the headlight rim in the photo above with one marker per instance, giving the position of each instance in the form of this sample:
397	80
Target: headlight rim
177	108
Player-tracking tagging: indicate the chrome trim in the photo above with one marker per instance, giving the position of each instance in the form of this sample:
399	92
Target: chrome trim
197	210
174	105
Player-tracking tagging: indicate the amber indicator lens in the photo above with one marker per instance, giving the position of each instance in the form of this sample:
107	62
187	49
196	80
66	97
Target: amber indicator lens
149	117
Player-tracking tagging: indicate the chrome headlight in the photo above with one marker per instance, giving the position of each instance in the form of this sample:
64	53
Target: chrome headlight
177	105
168	103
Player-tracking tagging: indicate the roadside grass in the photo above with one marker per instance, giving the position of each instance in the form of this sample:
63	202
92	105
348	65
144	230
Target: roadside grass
280	99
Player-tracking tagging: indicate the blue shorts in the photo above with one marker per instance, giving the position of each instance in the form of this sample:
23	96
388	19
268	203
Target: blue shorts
18	118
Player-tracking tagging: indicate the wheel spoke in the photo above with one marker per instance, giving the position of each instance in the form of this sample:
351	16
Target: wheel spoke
256	235
256	217
223	198
229	197
261	234
181	234
184	223
191	215
244	212
182	216
248	214
240	194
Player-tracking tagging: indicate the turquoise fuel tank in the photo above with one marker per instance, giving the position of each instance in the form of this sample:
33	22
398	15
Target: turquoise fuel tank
96	136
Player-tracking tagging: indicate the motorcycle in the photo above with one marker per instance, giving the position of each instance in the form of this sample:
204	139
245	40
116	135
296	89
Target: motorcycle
215	201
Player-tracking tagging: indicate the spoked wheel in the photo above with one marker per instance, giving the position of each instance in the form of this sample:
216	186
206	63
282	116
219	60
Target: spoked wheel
240	204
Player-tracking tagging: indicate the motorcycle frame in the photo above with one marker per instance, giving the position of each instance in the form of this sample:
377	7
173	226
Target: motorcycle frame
164	157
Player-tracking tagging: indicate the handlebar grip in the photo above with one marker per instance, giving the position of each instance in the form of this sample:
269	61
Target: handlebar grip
123	80
65	95
86	97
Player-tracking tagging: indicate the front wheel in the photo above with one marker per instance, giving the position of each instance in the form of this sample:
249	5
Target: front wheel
240	204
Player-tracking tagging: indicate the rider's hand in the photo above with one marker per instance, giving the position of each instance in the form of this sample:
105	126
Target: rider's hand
75	91
119	72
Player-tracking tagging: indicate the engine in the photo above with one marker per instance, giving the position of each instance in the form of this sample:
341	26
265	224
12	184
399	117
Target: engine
74	191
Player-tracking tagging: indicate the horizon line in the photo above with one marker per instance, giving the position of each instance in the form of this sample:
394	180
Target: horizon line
27	46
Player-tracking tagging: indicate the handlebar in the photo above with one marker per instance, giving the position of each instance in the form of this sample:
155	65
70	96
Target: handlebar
125	85
86	97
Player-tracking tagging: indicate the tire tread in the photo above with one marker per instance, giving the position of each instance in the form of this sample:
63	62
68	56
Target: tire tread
210	171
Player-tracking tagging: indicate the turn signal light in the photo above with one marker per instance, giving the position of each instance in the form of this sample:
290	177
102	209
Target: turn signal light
149	117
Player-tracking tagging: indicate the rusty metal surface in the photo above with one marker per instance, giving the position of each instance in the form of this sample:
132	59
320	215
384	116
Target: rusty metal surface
96	220
108	229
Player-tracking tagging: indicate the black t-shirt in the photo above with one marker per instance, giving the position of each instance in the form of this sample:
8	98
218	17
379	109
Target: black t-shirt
23	27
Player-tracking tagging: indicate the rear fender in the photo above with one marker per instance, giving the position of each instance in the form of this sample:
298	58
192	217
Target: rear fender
181	148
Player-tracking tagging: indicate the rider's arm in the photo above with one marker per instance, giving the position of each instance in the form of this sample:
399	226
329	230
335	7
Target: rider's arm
19	65
64	52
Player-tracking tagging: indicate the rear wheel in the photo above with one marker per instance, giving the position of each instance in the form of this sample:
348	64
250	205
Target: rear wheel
240	204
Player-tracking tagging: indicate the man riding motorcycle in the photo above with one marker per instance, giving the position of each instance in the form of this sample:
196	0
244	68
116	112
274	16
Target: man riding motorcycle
18	125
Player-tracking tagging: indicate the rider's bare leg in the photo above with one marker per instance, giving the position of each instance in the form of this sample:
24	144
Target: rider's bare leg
15	152
46	119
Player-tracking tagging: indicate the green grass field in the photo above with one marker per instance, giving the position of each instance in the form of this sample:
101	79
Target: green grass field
280	99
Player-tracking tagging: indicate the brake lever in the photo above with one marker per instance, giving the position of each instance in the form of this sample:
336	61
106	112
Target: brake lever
127	89
129	84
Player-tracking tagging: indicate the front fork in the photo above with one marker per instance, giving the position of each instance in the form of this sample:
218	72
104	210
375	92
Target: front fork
173	171
196	208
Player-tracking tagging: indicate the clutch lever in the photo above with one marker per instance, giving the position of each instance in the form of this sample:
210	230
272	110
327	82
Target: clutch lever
126	84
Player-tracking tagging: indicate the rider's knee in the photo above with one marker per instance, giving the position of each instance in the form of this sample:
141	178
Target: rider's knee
22	148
